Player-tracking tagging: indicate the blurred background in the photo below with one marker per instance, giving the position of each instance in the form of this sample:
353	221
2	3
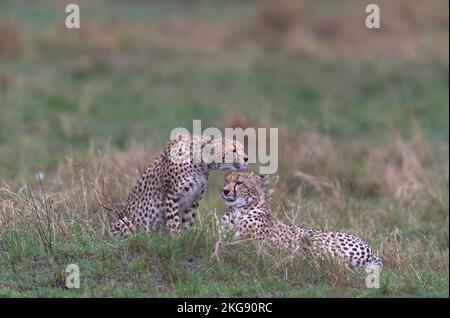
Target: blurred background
137	69
363	119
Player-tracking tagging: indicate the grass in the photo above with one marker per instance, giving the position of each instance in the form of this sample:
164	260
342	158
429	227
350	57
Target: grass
363	120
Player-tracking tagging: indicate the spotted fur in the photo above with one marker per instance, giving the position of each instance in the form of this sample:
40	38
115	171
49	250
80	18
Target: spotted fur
249	215
167	194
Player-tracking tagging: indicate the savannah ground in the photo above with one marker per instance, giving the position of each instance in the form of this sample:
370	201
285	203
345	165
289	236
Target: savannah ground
363	124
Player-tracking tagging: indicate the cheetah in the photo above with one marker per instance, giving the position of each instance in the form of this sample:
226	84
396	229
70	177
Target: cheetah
167	194
250	216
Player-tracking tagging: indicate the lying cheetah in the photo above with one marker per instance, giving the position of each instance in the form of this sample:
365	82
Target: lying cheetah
168	193
250	215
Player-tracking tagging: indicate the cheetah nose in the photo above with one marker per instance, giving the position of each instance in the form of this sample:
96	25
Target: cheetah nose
245	159
225	191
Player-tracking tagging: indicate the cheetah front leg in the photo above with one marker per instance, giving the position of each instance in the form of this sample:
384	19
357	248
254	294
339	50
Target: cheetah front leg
188	218
192	201
173	214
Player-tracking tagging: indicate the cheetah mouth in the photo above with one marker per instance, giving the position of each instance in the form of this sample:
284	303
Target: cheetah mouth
227	199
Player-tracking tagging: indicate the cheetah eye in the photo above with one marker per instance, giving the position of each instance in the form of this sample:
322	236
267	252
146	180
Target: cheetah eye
234	150
235	185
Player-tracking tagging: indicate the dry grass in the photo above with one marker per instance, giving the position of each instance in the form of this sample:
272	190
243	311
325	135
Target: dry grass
73	200
75	194
406	171
402	170
113	37
295	27
11	38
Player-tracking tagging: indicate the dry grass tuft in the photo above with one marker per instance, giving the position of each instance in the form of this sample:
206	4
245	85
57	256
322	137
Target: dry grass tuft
110	38
278	17
7	82
103	37
402	170
295	27
11	38
78	194
234	119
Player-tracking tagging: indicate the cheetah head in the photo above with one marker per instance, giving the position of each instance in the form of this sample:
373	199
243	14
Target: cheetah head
233	156
244	187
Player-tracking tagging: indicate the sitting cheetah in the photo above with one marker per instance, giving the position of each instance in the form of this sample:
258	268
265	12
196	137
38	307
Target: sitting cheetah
168	193
250	215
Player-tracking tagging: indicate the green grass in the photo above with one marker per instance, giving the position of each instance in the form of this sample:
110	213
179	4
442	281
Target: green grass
65	113
64	98
156	266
